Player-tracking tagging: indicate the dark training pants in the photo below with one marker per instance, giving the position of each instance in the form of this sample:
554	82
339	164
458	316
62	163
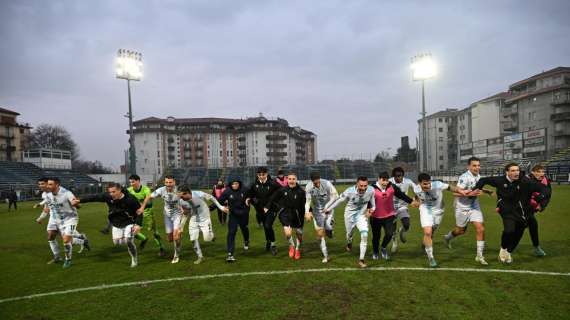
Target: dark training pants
267	219
235	221
10	203
377	225
533	230
513	230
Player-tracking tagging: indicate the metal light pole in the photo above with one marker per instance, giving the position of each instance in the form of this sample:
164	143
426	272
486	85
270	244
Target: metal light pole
423	68
129	67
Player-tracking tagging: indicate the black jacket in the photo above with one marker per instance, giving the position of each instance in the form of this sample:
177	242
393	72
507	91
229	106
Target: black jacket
513	198
235	198
289	200
122	212
260	193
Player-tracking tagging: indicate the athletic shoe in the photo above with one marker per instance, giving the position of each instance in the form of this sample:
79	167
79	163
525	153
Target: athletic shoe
374	256
329	234
503	254
246	246
326	260
86	243
291	252
349	246
199	260
509	258
66	264
432	263
134	263
539	252
175	260
161	252
402	232
394	244
362	264
54	260
481	260
143	244
385	255
297	254
447	242
230	258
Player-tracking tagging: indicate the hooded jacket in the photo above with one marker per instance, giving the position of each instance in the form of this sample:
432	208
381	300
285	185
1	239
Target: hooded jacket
235	198
260	192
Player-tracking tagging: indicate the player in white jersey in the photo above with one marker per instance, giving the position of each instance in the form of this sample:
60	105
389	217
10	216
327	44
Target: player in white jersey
467	209
172	212
194	205
52	230
431	209
402	213
359	207
320	193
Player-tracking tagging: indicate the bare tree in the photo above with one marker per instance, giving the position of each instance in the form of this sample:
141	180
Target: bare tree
53	137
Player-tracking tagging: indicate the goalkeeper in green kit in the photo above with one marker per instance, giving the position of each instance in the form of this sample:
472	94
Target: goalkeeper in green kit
140	192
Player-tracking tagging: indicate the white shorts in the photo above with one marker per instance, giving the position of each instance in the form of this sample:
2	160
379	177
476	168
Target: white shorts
464	216
323	221
402	212
196	225
173	222
65	227
430	219
123	233
359	221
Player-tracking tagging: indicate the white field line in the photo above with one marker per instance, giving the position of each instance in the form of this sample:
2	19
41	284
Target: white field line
277	272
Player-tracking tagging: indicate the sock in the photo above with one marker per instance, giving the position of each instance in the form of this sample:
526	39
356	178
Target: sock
54	246
449	236
297	243
291	241
177	245
140	236
324	248
68	247
273	243
77	241
197	248
429	251
132	248
480	248
363	244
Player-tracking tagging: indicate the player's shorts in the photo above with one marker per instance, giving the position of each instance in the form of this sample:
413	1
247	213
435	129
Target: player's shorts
323	221
123	233
172	222
358	220
464	216
402	212
430	218
148	221
196	225
291	220
65	227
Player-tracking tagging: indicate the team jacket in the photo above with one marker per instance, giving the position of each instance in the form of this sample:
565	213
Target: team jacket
290	201
260	193
235	198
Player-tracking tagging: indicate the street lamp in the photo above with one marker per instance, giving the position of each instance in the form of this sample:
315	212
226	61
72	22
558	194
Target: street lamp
129	67
423	67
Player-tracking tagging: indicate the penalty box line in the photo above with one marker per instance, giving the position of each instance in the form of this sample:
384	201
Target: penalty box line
276	272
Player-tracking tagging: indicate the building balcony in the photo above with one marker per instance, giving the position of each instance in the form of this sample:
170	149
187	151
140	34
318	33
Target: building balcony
562	133
276	146
276	154
561	102
4	136
277	137
560	116
276	162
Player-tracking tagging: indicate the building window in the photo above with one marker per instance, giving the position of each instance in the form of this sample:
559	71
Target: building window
440	119
440	139
441	167
441	158
440	129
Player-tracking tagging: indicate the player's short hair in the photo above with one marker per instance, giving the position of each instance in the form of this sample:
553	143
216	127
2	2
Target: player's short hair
135	177
396	170
262	170
384	175
473	159
291	173
115	185
362	178
184	188
537	167
169	177
315	175
54	179
43	179
510	165
423	177
280	171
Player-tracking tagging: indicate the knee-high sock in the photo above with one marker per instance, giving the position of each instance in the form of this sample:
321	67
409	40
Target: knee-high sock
480	247
132	248
291	241
177	245
363	244
68	247
429	251
197	248
299	239
54	246
324	247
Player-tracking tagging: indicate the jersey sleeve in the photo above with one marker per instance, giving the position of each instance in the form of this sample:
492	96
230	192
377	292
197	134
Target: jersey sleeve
157	193
462	182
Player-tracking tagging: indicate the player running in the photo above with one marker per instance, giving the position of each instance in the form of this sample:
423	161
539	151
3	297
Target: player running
194	205
140	192
402	213
359	207
537	174
468	210
320	193
431	209
238	215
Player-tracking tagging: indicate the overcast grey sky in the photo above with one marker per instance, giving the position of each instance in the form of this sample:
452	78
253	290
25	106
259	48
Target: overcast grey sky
337	68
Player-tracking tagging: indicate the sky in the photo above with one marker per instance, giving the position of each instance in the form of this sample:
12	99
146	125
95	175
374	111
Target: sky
340	69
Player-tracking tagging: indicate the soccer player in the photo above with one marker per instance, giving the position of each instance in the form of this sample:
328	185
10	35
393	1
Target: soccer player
140	192
401	207
514	193
172	212
320	193
238	212
359	207
537	173
194	205
431	209
217	191
61	204
468	210
384	215
290	202
258	195
124	216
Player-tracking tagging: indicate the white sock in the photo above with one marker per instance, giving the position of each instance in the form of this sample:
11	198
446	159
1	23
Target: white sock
324	248
77	241
291	241
480	248
177	246
54	246
449	236
197	248
363	244
297	243
429	251
132	248
68	247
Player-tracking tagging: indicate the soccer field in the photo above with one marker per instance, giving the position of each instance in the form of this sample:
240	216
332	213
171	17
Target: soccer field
261	286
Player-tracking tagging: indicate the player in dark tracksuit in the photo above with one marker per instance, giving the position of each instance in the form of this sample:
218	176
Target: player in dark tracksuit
235	196
290	203
537	174
258	195
514	193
